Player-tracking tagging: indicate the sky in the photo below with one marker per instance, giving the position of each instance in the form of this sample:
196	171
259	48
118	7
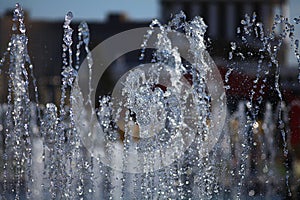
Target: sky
98	9
90	10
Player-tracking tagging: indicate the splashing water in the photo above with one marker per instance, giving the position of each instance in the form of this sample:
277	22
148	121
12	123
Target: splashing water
150	121
161	133
18	132
268	44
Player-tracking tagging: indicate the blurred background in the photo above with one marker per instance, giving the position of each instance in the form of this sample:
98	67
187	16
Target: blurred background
44	20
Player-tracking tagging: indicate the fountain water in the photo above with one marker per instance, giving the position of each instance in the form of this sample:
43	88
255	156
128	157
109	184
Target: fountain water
161	134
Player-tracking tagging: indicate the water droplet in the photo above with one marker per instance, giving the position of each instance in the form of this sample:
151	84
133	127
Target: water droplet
68	18
251	193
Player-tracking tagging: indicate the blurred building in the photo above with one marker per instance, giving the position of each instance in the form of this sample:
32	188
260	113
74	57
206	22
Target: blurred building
45	48
222	17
